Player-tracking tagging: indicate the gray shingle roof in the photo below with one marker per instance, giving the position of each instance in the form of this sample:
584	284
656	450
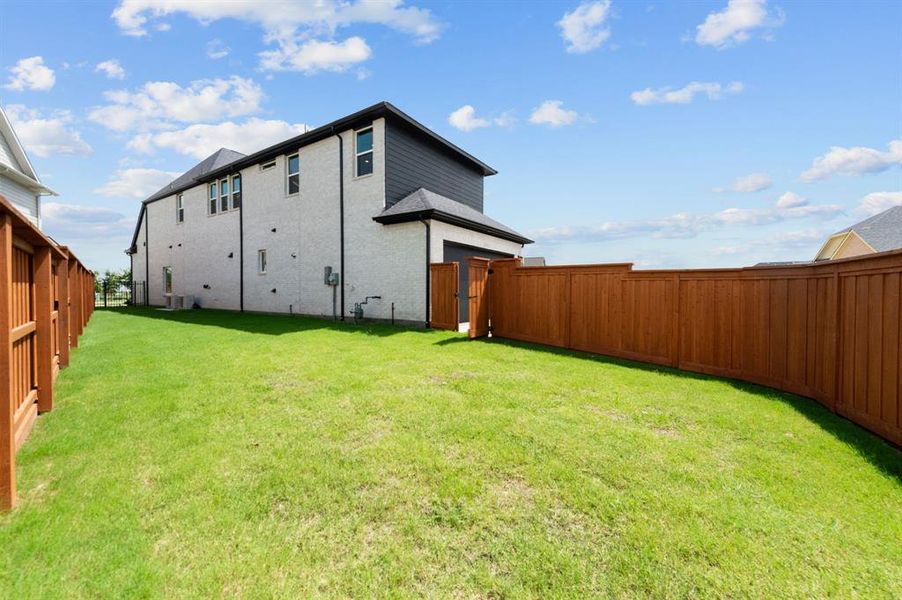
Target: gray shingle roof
428	205
883	231
217	160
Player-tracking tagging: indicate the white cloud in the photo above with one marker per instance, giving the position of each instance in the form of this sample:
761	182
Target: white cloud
553	113
685	94
465	119
791	200
31	74
774	245
313	56
216	49
46	135
685	225
111	68
734	24
854	161
73	221
877	202
583	28
748	184
135	183
201	140
296	27
159	104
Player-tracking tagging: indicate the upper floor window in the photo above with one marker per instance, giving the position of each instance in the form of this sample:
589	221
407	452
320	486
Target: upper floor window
236	191
364	152
214	199
224	195
294	174
179	209
267	166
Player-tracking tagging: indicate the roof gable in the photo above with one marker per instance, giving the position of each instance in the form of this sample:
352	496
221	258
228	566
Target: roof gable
18	158
221	158
883	231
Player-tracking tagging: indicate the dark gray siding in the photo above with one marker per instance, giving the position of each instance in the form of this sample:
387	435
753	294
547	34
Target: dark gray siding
411	164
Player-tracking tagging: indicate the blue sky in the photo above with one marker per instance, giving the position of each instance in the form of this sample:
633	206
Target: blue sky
669	134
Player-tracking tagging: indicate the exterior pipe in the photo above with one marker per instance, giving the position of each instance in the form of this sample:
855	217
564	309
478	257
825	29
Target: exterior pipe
241	247
428	273
146	257
341	220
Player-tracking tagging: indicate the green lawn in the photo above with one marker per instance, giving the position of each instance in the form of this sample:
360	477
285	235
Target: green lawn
210	454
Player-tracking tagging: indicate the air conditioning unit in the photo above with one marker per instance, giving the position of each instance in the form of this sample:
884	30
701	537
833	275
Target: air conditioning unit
187	302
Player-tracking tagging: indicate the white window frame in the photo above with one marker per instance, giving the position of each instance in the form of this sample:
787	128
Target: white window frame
212	198
288	174
261	261
179	209
267	166
167	282
224	197
358	154
232	179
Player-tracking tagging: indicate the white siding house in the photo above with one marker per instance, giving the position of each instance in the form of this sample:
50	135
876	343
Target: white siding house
315	201
18	181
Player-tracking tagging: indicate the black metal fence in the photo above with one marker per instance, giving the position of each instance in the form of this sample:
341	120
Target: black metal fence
118	294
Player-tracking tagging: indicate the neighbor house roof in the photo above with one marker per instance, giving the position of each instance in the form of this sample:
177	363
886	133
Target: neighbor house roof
18	167
423	204
881	232
221	158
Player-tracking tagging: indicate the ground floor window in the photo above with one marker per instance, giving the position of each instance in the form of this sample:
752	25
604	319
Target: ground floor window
261	261
167	279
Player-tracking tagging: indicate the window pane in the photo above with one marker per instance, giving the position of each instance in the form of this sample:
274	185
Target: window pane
293	164
225	203
236	184
224	187
236	199
364	141
293	184
365	164
212	190
212	206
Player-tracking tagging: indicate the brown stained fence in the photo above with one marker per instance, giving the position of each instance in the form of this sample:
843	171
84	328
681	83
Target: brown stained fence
39	320
829	331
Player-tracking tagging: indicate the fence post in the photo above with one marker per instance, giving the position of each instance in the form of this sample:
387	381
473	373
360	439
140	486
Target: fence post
43	300
63	318
73	303
7	426
104	285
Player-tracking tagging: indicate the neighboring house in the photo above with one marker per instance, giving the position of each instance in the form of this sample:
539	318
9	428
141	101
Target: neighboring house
19	182
374	197
879	233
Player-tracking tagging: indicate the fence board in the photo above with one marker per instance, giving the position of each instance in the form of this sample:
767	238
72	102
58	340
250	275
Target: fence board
35	275
830	331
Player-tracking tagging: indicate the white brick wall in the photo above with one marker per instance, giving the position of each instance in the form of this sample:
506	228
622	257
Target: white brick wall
380	260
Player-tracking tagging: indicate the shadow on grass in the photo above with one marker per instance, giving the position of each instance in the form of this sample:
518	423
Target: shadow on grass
263	323
874	449
879	452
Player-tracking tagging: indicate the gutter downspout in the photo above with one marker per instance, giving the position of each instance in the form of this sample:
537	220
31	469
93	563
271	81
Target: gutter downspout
428	271
241	247
146	257
341	219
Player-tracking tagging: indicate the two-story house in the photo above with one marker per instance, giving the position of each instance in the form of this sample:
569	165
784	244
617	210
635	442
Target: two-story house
373	198
19	183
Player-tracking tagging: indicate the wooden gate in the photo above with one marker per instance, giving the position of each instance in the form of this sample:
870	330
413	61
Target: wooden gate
444	295
478	296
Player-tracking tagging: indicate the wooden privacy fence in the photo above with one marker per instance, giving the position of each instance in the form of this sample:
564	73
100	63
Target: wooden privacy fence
829	331
46	299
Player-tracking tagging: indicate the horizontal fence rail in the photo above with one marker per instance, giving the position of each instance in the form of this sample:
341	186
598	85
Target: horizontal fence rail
46	299
829	331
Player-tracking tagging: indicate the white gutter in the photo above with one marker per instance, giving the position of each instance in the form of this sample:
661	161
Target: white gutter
27	181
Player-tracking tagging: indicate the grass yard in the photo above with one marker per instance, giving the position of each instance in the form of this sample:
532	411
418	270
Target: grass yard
210	454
